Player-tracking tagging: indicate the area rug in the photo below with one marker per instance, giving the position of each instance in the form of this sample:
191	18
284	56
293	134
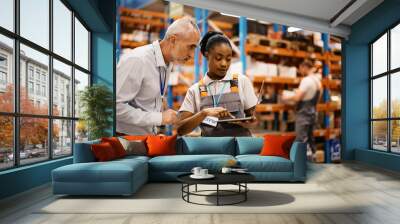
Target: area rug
167	198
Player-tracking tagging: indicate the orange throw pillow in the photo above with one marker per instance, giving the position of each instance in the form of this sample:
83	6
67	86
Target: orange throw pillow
161	145
135	137
103	152
277	145
116	145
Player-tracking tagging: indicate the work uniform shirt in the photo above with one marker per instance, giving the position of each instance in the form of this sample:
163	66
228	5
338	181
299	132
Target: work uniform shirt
310	85
248	98
140	74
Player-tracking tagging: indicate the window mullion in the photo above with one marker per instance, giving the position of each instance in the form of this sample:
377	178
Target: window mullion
389	101
73	82
50	81
16	84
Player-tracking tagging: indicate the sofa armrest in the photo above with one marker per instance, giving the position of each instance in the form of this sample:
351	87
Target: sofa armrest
83	152
298	155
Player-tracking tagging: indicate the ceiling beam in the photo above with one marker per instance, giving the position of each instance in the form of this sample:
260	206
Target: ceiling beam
270	15
346	12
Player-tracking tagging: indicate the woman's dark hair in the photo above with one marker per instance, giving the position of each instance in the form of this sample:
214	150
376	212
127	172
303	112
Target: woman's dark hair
211	39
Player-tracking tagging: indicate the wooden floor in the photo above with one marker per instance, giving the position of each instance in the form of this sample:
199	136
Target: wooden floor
378	189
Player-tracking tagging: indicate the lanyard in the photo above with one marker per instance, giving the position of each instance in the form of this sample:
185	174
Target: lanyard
162	82
216	102
162	77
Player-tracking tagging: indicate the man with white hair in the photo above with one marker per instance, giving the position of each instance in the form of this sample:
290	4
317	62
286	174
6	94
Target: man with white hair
142	76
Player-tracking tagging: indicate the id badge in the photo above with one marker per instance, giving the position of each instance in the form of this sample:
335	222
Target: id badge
212	121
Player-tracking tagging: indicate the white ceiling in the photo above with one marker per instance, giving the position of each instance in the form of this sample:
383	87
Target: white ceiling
314	15
321	9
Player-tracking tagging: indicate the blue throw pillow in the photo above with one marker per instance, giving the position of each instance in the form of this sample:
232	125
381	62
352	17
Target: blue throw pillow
208	145
249	145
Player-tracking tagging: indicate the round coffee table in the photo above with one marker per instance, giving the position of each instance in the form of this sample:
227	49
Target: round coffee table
238	179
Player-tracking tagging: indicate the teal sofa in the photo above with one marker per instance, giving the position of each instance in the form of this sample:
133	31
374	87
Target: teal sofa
125	176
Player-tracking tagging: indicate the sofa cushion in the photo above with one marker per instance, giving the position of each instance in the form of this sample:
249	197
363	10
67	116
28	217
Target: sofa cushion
93	172
277	145
135	137
103	152
83	152
131	158
134	147
112	171
257	163
161	145
249	145
207	145
116	145
185	163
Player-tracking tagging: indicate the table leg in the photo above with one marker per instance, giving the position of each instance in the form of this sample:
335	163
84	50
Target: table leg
182	188
188	190
196	188
217	194
245	193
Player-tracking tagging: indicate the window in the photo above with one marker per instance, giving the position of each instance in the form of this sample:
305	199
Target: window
30	87
34	21
7	14
30	73
6	73
385	96
62	74
47	130
62	137
62	29
3	61
81	45
3	72
44	91
81	81
38	89
37	74
3	78
6	142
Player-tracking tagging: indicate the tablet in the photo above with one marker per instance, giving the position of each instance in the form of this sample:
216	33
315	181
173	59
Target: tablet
237	119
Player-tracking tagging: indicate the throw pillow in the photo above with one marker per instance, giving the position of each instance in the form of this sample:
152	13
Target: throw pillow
135	137
161	145
103	152
135	147
116	145
277	145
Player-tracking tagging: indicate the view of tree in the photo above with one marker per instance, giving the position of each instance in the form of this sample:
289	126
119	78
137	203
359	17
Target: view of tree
380	128
34	131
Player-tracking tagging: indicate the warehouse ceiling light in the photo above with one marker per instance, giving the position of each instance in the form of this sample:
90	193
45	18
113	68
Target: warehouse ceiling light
293	29
231	15
264	22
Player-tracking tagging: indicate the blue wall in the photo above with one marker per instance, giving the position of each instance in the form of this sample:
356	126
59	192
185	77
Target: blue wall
24	178
356	85
99	16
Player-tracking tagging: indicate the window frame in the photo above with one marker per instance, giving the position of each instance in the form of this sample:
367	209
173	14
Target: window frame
388	74
16	114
